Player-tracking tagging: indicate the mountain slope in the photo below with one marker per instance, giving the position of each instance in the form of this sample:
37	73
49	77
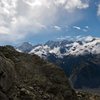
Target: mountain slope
86	73
27	77
65	47
78	58
25	47
83	70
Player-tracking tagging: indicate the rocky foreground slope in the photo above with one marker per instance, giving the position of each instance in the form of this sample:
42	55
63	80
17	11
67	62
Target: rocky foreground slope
27	77
80	59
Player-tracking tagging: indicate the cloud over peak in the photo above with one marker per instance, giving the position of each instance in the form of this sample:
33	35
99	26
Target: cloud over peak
19	17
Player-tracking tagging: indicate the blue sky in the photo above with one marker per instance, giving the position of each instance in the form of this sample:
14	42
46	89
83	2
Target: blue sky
38	21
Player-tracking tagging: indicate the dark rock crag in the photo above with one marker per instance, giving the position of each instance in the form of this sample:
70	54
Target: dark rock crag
27	77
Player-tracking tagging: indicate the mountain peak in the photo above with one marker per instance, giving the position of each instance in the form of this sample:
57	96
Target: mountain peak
25	47
26	43
84	45
78	46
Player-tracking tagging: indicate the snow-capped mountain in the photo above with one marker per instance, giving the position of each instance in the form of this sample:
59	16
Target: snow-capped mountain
79	58
24	47
62	48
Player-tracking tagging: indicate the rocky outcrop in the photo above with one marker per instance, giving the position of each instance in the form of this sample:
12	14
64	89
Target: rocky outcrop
83	95
27	77
7	76
6	73
3	96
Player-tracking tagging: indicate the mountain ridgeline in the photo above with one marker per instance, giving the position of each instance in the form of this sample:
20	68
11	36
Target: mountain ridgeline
28	77
80	59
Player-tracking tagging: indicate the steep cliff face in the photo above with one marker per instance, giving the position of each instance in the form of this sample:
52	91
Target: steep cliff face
27	77
6	76
86	72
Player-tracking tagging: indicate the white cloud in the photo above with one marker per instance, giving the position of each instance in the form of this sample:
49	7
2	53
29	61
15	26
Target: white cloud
98	12
64	38
33	3
4	30
76	4
62	2
58	28
85	29
76	27
21	17
71	5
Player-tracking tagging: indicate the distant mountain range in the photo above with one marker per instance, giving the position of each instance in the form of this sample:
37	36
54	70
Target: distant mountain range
62	48
80	58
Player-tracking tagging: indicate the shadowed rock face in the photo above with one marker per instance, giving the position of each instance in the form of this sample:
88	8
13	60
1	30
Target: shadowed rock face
3	96
83	70
6	76
83	95
27	77
6	73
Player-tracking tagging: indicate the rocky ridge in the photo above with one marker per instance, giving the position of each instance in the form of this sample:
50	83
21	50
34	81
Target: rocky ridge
28	77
